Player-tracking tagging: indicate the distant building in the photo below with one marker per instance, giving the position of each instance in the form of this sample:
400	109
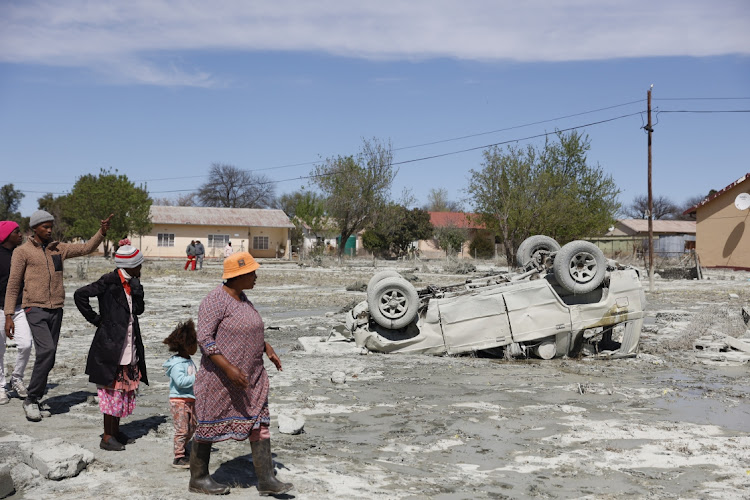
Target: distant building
467	221
723	235
672	238
262	232
326	238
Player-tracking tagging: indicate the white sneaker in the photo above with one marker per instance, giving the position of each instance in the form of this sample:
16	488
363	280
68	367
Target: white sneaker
32	411
3	397
17	385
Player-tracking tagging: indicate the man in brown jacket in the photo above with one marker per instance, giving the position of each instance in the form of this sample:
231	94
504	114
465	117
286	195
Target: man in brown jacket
38	264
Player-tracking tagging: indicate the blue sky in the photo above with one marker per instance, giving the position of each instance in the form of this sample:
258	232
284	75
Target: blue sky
161	89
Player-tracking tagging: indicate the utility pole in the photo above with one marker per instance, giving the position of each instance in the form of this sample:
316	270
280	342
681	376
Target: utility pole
650	130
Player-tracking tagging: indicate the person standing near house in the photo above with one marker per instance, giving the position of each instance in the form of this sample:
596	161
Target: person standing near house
200	251
38	265
190	251
10	238
228	249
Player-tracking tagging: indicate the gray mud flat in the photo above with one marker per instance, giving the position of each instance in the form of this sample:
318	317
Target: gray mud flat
662	425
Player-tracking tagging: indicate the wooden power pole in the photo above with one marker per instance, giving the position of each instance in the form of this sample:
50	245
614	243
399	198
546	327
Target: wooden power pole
650	130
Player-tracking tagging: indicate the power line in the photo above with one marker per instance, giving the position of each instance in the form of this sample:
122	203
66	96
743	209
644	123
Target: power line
440	141
701	98
706	111
424	158
519	126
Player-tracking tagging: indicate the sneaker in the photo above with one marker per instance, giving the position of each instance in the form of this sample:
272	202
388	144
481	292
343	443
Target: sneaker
181	463
111	444
3	397
17	385
31	408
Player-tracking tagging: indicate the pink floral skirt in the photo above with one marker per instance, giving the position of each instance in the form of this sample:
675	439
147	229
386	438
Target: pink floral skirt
118	399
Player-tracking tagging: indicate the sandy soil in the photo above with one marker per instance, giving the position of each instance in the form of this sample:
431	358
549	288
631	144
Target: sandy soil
663	425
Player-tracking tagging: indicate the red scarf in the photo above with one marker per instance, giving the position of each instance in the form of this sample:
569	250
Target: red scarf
124	282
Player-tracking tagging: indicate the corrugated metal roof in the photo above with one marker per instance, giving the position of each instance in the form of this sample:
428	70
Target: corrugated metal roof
455	219
660	226
716	194
211	216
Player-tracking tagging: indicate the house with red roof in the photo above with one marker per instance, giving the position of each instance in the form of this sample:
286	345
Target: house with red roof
462	220
722	226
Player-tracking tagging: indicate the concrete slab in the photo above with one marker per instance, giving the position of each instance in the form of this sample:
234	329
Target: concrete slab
319	345
55	458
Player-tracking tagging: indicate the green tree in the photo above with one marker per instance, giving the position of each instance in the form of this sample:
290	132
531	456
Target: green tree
396	230
450	238
94	197
482	247
10	199
551	190
356	188
305	208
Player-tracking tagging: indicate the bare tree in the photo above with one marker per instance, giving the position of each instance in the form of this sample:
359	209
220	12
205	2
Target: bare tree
182	200
664	208
690	203
356	188
438	201
231	187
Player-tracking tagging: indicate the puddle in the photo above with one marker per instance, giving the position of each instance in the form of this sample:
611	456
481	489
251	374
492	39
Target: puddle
717	399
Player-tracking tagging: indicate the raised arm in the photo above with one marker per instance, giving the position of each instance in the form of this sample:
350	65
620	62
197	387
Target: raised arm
78	249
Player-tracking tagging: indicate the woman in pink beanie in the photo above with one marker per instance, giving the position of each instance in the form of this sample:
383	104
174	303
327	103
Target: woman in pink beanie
10	238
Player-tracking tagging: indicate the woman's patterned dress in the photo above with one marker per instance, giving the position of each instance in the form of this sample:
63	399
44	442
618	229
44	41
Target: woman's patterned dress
234	329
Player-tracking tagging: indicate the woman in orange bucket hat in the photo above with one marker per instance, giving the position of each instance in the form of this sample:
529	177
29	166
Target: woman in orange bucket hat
231	387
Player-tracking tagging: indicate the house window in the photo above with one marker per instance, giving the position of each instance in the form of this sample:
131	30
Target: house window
165	239
260	242
218	240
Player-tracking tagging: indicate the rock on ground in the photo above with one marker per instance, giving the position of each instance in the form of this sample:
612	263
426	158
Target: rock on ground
55	458
291	424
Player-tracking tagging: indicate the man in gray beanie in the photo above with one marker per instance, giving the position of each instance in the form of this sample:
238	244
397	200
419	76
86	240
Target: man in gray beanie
38	264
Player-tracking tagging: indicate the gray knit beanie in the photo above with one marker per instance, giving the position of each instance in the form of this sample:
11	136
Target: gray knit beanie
40	217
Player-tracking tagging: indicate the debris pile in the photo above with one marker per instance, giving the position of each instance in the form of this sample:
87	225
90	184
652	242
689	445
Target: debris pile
717	346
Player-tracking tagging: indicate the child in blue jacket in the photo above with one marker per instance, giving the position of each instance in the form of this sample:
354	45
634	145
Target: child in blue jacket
181	372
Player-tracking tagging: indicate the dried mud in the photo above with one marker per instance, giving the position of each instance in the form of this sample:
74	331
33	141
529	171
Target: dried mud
662	425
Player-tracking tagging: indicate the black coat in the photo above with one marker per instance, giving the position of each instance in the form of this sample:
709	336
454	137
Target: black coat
112	325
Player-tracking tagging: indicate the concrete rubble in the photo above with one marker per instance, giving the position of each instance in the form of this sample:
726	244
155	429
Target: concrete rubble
7	486
56	459
291	424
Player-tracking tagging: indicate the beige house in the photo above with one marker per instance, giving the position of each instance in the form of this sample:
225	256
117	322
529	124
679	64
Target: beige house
263	233
722	232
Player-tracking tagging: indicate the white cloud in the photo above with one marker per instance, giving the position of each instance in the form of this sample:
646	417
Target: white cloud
121	39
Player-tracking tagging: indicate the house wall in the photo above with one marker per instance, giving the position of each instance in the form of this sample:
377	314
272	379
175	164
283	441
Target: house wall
722	232
240	236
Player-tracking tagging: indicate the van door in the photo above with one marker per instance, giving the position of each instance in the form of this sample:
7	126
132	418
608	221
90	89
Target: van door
535	311
474	322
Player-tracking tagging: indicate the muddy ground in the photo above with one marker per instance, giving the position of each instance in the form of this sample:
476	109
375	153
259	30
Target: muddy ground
662	425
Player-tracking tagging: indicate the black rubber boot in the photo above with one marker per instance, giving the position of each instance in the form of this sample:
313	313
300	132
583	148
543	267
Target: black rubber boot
200	480
267	482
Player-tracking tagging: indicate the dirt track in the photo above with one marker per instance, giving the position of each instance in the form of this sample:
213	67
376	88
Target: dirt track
662	425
